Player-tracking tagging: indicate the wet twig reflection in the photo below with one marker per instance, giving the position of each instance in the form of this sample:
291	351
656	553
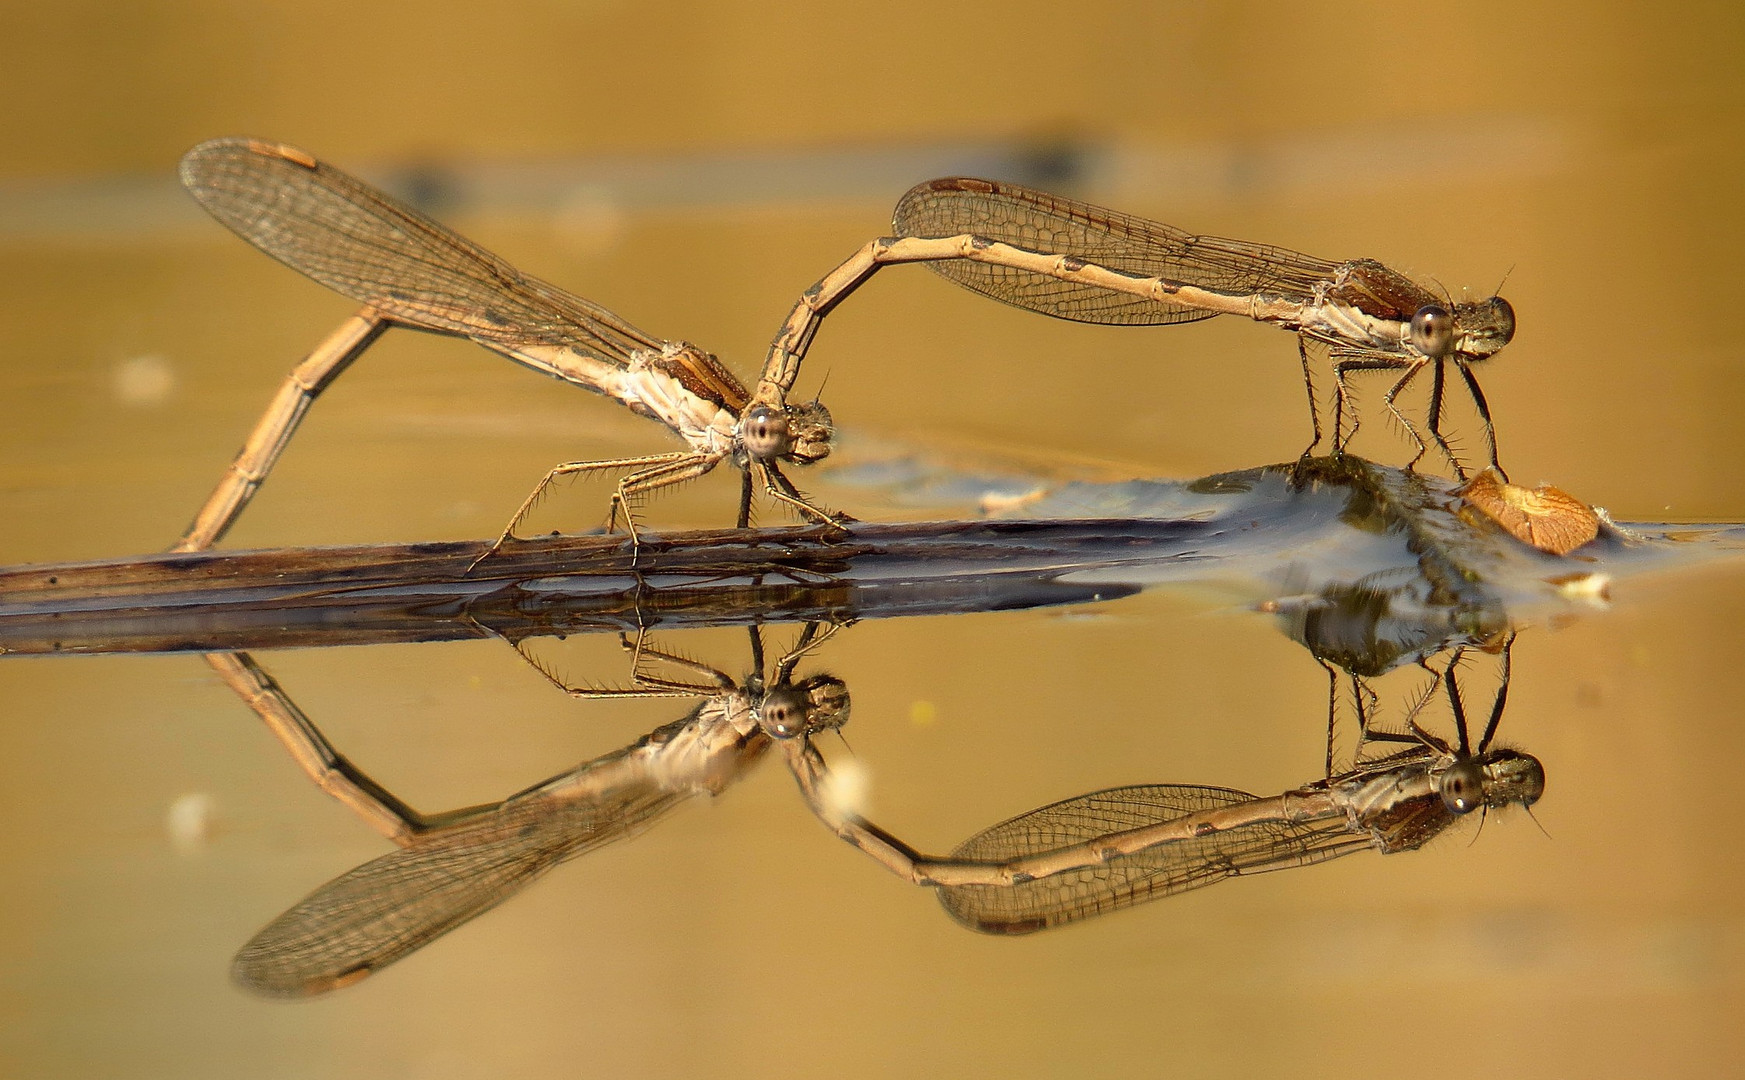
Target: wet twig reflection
1311	541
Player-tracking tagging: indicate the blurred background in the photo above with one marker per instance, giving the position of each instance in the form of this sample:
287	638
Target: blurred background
693	167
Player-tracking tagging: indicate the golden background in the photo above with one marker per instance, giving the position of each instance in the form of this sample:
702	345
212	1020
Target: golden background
727	156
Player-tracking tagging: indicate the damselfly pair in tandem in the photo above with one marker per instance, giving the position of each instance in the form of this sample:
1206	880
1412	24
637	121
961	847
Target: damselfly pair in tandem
1036	251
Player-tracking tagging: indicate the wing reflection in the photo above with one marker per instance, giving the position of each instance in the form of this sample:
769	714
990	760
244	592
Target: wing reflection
392	906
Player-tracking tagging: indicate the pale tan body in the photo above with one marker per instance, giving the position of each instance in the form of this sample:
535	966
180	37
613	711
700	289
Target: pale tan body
410	271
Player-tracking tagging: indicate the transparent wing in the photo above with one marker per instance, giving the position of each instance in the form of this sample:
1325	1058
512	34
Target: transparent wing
365	245
1206	853
390	907
1037	221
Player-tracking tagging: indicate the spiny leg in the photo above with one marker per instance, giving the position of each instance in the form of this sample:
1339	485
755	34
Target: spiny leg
745	493
643	684
1415	734
1501	701
642	465
1341	392
681	468
1435	422
1388	400
1365	701
1314	406
754	632
809	640
640	649
1417	730
571	468
1456	705
781	489
1332	708
1484	413
261	450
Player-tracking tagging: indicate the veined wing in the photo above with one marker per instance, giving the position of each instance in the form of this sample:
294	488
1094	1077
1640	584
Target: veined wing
1037	221
1223	835
390	907
363	244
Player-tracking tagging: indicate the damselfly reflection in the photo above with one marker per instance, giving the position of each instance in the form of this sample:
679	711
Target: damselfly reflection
1112	849
1080	262
1147	842
1062	863
409	271
453	867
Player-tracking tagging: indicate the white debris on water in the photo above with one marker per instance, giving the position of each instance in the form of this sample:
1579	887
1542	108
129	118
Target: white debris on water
189	822
143	381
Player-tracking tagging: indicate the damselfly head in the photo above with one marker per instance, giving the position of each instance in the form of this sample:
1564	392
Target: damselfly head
800	433
827	702
1484	327
1512	777
818	703
1494	779
810	432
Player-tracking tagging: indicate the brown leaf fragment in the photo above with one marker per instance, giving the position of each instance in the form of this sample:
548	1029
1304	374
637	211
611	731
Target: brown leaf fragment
1551	520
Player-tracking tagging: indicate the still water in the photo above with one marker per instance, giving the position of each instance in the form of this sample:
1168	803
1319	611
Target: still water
154	826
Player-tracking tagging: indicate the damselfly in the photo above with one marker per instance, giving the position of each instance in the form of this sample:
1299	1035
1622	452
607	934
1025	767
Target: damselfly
1080	262
409	271
452	867
1112	849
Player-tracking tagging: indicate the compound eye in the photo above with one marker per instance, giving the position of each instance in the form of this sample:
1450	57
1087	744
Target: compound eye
1433	330
1502	320
783	715
764	432
1462	787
